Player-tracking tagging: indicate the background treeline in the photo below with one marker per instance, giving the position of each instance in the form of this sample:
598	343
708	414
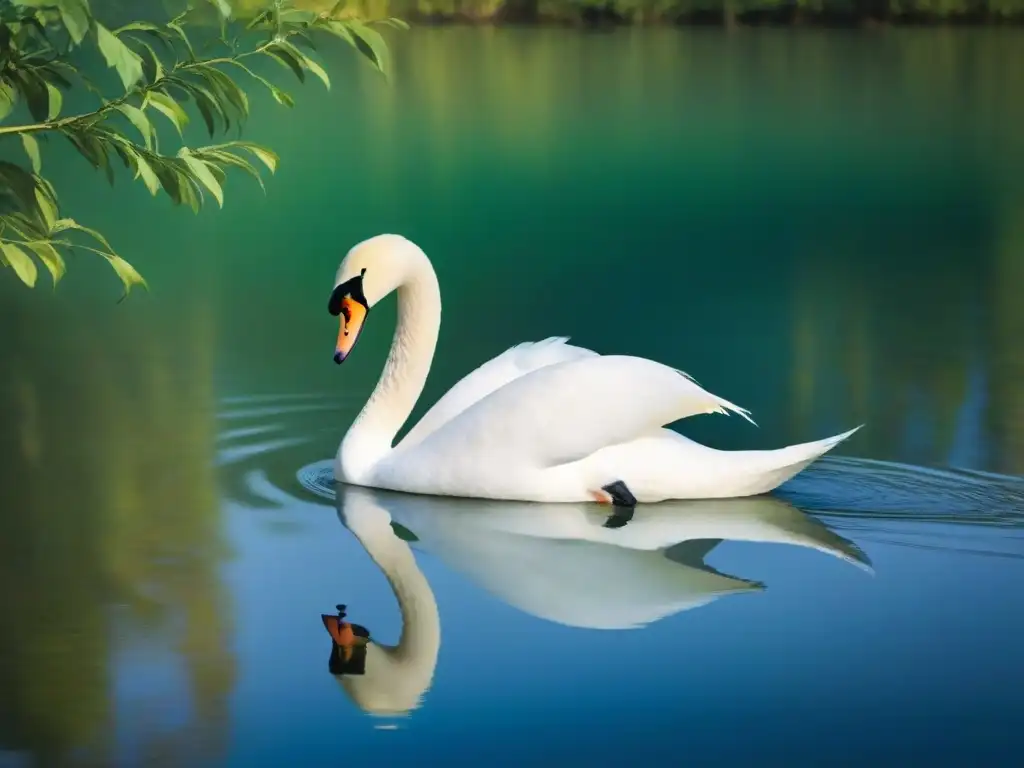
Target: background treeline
711	12
624	12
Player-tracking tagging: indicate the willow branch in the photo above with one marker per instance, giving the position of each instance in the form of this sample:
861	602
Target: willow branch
65	122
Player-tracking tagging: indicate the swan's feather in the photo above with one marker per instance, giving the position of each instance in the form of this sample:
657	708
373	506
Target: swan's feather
551	416
494	374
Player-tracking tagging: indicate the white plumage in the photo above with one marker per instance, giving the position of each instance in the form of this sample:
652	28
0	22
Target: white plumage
543	421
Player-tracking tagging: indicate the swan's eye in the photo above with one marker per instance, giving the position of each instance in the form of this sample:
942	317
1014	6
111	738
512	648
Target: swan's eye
350	290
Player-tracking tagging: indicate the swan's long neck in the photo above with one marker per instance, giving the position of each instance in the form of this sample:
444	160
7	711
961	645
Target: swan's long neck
396	677
372	434
420	638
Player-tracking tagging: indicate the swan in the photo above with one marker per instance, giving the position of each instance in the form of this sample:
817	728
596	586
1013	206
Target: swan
390	680
544	421
557	562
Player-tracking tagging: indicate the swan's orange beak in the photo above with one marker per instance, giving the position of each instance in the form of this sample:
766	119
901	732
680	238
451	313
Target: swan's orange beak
351	318
349	304
340	631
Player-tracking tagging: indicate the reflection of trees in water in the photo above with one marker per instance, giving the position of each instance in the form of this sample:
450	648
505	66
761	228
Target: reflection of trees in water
109	537
1006	354
897	345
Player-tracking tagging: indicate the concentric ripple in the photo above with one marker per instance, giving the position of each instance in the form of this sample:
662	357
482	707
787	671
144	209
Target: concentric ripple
272	449
270	435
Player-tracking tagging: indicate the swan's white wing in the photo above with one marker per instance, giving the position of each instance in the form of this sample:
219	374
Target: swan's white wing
494	374
554	415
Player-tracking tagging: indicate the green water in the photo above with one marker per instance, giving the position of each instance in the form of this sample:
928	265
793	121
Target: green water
824	227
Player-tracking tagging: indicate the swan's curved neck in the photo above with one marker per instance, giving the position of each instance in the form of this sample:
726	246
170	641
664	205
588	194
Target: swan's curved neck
372	434
420	638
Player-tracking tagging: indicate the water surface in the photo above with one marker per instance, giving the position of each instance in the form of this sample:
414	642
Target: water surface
823	227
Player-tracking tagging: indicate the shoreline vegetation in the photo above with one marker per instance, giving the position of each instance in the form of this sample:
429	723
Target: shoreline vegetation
692	13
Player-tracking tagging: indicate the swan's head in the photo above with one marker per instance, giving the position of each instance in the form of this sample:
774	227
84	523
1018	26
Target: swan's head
348	645
370	271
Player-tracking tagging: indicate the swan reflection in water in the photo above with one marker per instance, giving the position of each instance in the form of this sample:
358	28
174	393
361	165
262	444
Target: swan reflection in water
566	563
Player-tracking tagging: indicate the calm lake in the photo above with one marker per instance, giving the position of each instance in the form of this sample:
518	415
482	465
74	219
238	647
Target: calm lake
824	227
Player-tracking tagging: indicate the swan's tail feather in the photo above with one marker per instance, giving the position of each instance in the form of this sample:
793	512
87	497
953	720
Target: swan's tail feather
782	464
720	404
725	407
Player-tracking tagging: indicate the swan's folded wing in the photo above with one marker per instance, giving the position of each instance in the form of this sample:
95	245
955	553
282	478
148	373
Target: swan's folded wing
561	413
492	375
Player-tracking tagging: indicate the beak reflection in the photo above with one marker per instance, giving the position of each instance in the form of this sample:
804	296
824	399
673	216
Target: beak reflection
348	644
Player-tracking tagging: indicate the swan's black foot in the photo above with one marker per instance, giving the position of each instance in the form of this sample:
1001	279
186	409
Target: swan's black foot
621	495
619	517
621	498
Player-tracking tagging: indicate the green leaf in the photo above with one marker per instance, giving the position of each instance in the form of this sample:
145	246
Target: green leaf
223	8
319	71
263	154
170	180
226	89
168	107
184	38
152	68
89	147
226	158
370	43
21	225
339	29
119	56
201	171
121	147
32	150
138	118
51	259
144	170
21	183
218	172
281	97
21	262
46	205
189	192
57	72
302	38
393	22
284	57
260	18
75	15
209	106
56	100
308	63
8	98
141	26
64	225
34	89
128	274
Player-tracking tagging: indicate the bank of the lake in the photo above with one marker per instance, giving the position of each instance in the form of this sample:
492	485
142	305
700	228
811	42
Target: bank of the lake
831	13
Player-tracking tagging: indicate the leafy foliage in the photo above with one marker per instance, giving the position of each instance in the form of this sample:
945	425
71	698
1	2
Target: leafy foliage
166	75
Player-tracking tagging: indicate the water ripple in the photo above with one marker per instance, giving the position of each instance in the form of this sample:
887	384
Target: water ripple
886	502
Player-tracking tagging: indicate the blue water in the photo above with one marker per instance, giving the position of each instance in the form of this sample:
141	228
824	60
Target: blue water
822	227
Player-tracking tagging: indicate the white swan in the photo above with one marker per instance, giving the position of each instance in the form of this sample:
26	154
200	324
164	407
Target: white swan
544	421
393	678
556	562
